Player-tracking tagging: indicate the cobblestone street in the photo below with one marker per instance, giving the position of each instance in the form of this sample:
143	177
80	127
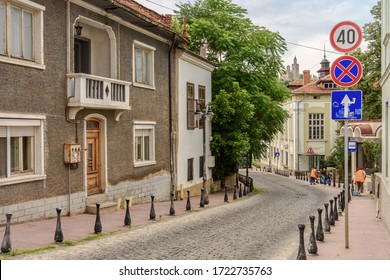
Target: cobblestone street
263	226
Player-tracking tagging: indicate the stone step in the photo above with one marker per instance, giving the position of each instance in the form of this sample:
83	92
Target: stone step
96	198
105	207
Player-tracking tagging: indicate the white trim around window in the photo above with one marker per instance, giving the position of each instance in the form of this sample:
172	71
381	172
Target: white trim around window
21	33
21	148
143	65
144	143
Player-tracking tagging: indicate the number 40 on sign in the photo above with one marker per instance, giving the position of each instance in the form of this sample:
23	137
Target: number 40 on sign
346	36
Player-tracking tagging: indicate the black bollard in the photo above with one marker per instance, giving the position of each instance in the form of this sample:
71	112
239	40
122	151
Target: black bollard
244	190
240	191
331	214
226	199
326	219
152	214
127	215
349	194
312	248
6	244
235	192
335	211
172	208
188	205
201	198
320	231
98	223
343	200
339	200
301	250
58	236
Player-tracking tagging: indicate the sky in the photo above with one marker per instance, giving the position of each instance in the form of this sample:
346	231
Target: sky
299	22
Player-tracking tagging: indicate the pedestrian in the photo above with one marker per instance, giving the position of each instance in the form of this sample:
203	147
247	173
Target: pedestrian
360	177
313	176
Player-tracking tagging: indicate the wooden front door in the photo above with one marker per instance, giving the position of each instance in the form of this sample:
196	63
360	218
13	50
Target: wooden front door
93	158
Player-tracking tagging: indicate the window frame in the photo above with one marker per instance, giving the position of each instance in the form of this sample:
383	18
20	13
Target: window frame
36	10
201	103
190	169
146	49
316	126
13	126
191	106
145	129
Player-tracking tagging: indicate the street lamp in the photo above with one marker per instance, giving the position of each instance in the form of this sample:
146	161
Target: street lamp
204	114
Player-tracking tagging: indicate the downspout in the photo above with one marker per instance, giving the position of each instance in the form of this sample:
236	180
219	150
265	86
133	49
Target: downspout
171	132
297	125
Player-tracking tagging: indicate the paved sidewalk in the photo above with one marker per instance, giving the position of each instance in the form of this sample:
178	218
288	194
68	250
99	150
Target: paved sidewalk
38	234
368	238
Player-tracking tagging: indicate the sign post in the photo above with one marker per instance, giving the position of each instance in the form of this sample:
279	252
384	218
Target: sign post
346	71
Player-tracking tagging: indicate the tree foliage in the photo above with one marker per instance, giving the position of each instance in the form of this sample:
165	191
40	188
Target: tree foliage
248	55
371	62
232	113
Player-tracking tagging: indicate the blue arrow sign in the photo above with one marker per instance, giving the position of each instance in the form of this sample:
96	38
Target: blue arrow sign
346	105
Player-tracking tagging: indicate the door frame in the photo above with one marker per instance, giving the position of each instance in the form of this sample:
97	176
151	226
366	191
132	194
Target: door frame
103	151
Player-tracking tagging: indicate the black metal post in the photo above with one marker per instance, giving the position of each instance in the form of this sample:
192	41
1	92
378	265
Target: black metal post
6	244
172	208
301	250
127	215
343	200
235	192
335	211
152	214
340	203
320	231
98	223
312	248
201	198
226	199
58	236
188	205
331	214
244	190
326	219
240	191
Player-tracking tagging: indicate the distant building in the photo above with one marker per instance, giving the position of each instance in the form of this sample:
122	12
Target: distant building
309	132
292	72
295	70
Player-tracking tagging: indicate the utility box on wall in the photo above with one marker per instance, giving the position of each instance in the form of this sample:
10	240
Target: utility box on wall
72	153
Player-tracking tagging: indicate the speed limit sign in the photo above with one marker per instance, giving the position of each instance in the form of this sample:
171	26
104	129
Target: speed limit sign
346	36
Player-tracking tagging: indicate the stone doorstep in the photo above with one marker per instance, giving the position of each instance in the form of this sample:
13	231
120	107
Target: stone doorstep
105	207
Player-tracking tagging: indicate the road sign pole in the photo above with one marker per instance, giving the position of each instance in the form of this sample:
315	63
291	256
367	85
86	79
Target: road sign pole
346	192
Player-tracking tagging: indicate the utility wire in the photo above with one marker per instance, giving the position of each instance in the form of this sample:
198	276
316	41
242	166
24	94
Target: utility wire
317	49
158	4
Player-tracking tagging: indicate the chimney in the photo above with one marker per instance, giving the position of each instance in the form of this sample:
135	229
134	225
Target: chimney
306	77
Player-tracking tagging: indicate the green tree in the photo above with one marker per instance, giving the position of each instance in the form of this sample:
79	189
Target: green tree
371	62
247	54
232	115
372	151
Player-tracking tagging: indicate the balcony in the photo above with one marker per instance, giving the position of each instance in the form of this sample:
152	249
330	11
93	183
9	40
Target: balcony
88	91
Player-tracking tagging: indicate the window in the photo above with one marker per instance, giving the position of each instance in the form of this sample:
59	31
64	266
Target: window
201	164
316	126
191	103
21	148
143	64
21	33
201	102
144	153
190	169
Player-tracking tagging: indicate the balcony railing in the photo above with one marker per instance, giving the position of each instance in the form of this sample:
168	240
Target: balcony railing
87	91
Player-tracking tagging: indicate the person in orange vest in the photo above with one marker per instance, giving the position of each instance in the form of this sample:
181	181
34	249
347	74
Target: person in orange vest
360	177
313	176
